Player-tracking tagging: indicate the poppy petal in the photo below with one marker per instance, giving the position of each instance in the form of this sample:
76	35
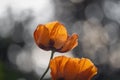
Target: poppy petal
53	66
92	72
50	25
57	66
64	68
71	69
87	69
71	43
58	33
41	36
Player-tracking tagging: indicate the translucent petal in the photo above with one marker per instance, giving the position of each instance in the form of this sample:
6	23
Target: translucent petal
71	43
64	68
41	36
87	69
58	33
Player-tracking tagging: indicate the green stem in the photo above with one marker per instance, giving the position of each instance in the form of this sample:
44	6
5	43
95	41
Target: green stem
48	65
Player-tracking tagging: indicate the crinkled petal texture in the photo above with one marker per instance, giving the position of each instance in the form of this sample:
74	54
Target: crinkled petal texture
71	43
58	34
54	36
64	68
41	36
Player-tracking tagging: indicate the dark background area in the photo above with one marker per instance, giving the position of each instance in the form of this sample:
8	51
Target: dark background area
97	23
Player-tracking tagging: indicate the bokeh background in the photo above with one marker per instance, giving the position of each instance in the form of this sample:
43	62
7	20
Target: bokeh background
96	21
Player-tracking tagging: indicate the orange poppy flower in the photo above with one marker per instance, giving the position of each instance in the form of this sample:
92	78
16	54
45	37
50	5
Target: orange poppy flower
64	68
54	36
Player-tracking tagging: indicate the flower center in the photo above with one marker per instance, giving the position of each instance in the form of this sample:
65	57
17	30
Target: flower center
51	44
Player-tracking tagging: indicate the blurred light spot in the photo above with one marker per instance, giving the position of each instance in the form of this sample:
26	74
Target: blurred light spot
6	25
35	5
39	11
44	12
94	11
27	37
112	29
101	56
13	51
78	28
115	57
112	10
65	12
21	79
24	16
94	38
3	6
16	33
76	1
24	61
